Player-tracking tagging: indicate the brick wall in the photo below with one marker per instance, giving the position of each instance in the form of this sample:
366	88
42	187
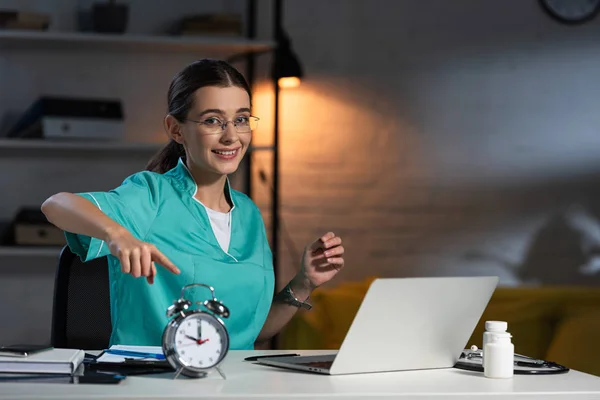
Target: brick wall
436	137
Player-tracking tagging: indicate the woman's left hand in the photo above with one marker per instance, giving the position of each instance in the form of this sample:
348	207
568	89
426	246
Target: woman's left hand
322	260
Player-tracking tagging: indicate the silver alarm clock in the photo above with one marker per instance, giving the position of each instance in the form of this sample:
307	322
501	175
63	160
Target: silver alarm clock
196	341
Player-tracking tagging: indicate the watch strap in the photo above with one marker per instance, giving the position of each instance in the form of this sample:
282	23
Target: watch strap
289	297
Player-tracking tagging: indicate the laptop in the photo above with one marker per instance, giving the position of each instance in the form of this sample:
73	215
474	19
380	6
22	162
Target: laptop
404	324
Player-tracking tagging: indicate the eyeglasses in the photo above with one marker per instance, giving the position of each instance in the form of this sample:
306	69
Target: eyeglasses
214	125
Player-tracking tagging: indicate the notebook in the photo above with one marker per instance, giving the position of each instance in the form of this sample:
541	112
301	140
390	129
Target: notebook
55	361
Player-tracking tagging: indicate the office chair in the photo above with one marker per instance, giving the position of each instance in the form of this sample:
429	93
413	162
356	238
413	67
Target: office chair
81	309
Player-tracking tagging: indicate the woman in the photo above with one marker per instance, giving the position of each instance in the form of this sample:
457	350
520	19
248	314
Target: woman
182	215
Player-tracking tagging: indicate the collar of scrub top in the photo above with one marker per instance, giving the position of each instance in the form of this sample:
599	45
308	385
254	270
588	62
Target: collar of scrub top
185	182
189	184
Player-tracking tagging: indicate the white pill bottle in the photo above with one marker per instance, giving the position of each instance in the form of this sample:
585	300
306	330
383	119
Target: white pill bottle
498	351
492	327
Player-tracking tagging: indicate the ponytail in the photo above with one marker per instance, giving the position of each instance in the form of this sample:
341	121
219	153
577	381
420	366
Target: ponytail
167	158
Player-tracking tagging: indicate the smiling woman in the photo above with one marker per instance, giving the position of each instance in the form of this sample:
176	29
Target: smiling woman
210	143
182	214
203	98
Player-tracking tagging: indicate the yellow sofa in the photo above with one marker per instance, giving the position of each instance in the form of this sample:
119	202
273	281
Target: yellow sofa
560	324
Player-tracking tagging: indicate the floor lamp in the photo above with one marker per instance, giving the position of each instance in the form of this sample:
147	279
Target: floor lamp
286	72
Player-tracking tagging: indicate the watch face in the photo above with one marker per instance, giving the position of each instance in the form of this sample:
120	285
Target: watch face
572	11
199	341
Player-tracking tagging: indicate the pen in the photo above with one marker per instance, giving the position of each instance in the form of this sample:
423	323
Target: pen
129	353
254	358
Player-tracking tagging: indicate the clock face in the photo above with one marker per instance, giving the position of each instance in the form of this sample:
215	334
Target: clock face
199	341
572	11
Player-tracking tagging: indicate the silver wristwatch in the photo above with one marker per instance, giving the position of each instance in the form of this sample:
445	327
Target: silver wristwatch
290	298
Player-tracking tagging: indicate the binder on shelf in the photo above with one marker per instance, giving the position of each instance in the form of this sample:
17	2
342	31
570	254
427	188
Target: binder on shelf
71	118
30	227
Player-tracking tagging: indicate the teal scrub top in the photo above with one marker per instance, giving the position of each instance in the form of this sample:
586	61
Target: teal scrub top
161	209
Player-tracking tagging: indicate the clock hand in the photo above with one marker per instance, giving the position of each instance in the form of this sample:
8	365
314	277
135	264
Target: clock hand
198	341
188	344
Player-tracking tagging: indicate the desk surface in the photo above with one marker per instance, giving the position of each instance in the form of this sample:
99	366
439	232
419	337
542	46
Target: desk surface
250	380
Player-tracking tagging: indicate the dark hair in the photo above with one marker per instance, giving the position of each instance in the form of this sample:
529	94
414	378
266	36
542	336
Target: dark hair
198	74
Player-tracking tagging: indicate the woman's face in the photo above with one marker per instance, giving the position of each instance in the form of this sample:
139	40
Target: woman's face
208	146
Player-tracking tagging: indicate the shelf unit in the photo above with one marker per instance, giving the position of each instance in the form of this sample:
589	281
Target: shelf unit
32	40
75	41
23	145
20	146
241	48
30	251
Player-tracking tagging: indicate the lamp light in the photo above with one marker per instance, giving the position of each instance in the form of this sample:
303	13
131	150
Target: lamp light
287	70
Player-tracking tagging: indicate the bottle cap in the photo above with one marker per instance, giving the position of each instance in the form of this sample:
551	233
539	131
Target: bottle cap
496	326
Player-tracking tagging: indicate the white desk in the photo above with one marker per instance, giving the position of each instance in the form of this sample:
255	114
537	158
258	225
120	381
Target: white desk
249	380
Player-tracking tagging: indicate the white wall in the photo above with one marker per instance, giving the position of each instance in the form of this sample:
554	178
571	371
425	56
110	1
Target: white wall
428	131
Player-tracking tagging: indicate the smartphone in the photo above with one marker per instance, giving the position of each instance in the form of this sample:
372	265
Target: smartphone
98	378
89	377
23	350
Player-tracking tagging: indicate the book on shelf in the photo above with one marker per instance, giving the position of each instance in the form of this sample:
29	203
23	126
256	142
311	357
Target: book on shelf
16	19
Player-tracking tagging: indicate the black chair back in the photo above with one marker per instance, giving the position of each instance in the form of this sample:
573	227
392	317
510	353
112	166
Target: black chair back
81	309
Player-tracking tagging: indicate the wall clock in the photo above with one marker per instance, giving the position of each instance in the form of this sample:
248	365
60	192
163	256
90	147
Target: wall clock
571	11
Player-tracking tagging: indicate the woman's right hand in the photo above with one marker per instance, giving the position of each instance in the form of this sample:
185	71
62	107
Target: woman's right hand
137	258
